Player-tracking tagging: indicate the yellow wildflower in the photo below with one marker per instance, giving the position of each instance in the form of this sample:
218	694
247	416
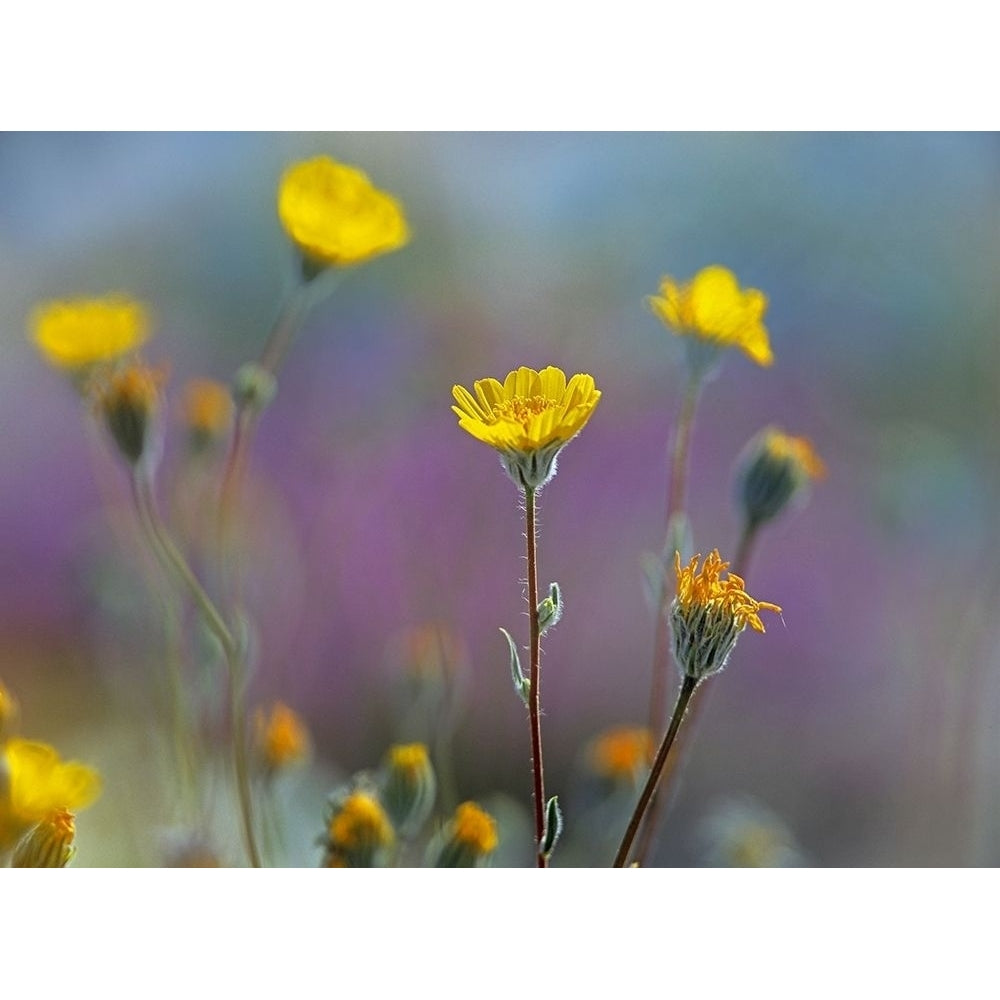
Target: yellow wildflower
35	783
621	754
713	308
206	409
282	737
80	332
49	844
409	786
774	469
528	418
469	838
709	613
335	216
359	832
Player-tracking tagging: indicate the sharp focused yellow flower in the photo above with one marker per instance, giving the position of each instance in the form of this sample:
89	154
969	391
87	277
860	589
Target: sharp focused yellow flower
528	418
709	613
621	754
35	783
282	737
713	308
335	216
81	332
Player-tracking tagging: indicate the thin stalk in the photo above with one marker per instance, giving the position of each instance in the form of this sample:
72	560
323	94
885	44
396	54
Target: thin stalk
688	686
173	560
744	548
534	699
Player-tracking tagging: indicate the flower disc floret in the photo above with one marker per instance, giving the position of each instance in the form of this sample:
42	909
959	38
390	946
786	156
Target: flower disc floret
76	333
336	216
714	309
709	613
528	418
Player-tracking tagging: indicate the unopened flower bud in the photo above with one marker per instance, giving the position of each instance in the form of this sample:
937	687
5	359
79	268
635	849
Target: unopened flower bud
469	839
129	403
282	738
254	387
774	469
206	411
409	787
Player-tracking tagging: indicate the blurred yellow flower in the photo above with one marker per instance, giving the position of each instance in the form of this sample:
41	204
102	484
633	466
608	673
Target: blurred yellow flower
359	832
282	737
129	400
335	216
621	754
469	838
709	613
797	451
80	332
713	308
206	409
774	469
528	418
49	844
35	783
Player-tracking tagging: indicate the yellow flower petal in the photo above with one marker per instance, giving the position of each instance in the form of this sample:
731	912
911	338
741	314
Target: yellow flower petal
79	332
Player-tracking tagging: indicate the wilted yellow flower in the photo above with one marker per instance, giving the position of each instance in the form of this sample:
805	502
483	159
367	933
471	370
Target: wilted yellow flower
35	783
774	468
528	418
49	844
206	409
713	308
469	838
709	613
359	832
81	332
335	216
621	754
282	737
129	400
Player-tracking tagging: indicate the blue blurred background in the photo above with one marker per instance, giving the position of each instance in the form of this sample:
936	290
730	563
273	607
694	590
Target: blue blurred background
862	728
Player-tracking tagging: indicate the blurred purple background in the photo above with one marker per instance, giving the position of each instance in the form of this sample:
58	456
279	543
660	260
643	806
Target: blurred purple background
866	722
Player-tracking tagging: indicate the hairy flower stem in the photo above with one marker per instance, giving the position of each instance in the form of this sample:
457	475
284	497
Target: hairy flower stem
534	700
688	686
171	558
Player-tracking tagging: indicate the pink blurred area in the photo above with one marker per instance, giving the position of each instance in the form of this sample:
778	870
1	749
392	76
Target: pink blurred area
863	718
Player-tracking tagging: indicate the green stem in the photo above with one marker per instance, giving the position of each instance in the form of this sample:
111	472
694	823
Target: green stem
688	686
744	548
173	560
534	695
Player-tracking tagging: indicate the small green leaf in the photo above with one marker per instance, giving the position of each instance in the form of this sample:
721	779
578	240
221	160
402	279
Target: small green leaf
553	825
521	683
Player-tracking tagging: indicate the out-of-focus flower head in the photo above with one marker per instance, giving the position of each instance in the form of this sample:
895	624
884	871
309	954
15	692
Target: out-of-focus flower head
469	838
206	411
409	786
49	844
709	613
528	418
77	333
128	400
774	469
35	783
742	833
282	737
335	216
359	833
715	311
621	754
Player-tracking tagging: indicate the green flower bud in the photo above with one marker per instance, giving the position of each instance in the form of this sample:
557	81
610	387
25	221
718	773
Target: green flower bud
409	787
773	469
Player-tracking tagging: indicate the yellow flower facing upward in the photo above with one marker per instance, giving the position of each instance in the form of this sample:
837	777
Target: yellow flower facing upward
709	613
336	216
35	783
76	333
621	754
359	832
282	737
714	309
528	418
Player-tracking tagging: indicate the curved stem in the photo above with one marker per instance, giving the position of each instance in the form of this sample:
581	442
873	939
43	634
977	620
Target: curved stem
173	560
688	686
534	699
